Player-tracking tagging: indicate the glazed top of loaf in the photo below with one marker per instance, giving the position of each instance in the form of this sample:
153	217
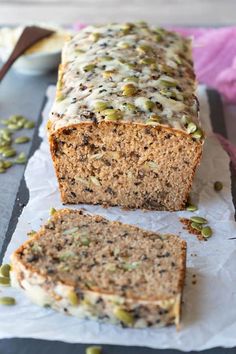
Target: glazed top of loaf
127	73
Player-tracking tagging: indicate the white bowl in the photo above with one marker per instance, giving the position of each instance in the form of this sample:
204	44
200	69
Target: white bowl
35	63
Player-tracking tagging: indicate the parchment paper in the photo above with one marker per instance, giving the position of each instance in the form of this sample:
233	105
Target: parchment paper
209	308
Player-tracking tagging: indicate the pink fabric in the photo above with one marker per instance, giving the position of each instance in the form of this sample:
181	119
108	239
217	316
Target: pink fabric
214	55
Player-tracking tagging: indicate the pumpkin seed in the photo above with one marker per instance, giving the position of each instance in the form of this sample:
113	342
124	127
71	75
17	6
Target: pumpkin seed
73	298
168	83
148	61
13	126
4	281
84	241
191	128
7	164
105	58
22	140
130	266
123	316
6	300
108	74
130	107
149	105
206	231
60	97
21	158
196	226
52	211
94	350
112	114
100	106
29	124
143	48
153	165
5	270
89	67
95	181
70	231
9	153
218	186
191	207
131	78
197	134
123	45
129	90
95	36
198	220
79	51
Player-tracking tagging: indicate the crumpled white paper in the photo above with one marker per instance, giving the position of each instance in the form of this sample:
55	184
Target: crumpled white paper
209	308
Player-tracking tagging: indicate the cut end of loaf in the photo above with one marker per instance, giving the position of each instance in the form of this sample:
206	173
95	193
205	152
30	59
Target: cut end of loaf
132	166
88	266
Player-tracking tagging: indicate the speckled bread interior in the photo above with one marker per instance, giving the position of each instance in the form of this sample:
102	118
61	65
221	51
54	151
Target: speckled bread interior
134	166
88	266
124	128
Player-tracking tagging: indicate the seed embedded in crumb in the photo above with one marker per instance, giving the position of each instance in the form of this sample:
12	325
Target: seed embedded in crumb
218	186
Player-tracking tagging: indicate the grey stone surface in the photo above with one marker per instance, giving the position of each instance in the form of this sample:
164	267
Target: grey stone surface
19	94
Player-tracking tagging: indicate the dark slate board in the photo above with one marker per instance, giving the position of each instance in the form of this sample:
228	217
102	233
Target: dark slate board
35	346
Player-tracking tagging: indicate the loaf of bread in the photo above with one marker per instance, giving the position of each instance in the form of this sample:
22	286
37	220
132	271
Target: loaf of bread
124	127
90	267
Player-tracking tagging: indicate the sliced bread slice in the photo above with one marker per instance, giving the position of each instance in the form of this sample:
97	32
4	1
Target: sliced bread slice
87	266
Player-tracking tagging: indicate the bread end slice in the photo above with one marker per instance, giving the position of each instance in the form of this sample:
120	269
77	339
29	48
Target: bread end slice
90	267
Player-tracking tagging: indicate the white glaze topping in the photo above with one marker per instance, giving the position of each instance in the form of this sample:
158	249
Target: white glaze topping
127	73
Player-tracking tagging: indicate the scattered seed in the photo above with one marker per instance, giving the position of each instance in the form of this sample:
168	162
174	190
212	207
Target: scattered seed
9	153
123	316
198	220
94	350
191	207
206	231
218	186
5	270
4	281
196	226
7	164
29	124
22	140
13	126
21	158
6	300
